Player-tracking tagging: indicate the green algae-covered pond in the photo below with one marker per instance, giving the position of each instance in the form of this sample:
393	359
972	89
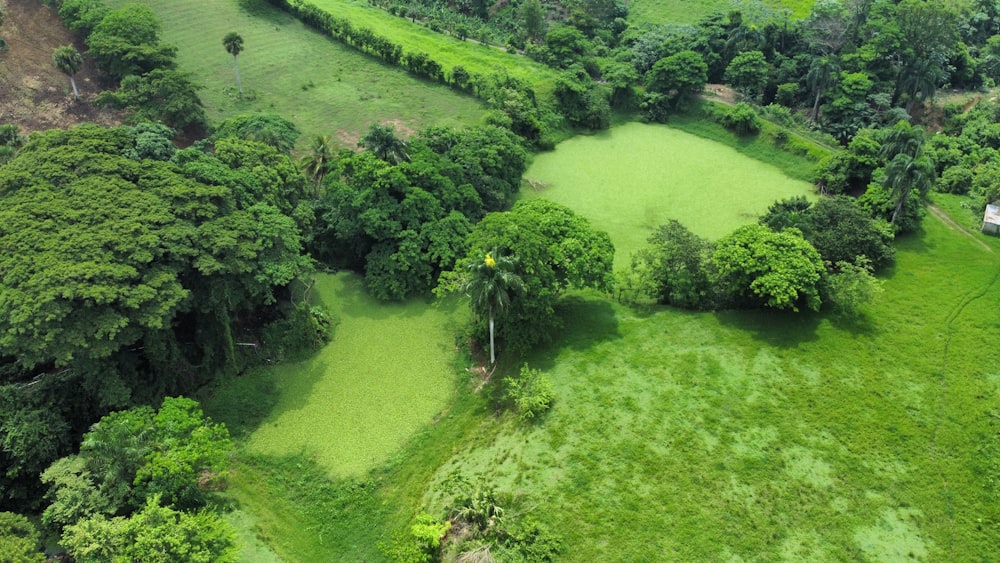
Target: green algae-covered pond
630	179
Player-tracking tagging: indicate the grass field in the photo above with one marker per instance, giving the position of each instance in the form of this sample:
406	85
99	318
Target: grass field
321	85
630	179
444	49
760	436
690	11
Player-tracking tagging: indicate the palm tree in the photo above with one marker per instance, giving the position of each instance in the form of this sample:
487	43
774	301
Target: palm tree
822	75
491	285
316	163
902	138
68	60
382	140
904	173
234	46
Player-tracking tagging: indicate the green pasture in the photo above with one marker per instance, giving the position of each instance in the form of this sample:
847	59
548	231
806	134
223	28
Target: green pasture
388	371
690	11
448	51
319	84
632	178
764	436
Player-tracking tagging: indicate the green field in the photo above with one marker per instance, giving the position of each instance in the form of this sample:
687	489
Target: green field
690	11
321	85
630	179
446	50
739	436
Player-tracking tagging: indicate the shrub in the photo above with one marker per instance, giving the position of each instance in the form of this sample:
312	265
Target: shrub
851	286
741	119
531	392
955	180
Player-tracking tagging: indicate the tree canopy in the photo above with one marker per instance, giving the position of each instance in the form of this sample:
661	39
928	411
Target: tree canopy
555	251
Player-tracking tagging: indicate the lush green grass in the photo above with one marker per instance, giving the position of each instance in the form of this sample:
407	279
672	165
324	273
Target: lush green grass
630	179
387	372
690	11
446	50
321	85
763	436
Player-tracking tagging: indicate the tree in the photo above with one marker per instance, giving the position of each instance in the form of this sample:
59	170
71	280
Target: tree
681	76
556	250
316	163
678	263
382	141
268	128
162	94
823	74
907	167
68	60
20	541
839	229
126	42
761	267
155	534
491	285
233	43
903	174
533	16
748	72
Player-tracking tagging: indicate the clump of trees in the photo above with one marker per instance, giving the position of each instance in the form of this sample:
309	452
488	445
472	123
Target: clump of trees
133	270
125	45
401	211
554	250
138	488
799	256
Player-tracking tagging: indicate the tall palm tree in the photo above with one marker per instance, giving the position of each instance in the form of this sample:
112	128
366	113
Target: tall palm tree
904	173
316	162
233	43
491	285
68	60
822	75
382	140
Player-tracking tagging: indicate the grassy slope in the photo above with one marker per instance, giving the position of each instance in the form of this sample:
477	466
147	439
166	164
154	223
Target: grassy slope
759	436
690	11
632	178
446	50
319	84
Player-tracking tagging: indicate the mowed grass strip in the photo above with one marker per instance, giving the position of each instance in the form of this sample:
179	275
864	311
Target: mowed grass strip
388	371
691	11
321	85
446	50
630	179
681	436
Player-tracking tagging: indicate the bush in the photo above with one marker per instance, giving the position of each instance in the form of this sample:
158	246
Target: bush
851	286
530	392
955	180
741	119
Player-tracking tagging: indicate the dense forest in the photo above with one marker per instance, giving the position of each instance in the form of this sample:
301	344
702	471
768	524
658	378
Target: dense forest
144	262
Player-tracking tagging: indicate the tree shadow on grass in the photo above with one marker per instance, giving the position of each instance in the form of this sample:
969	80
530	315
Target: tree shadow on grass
588	319
264	11
783	329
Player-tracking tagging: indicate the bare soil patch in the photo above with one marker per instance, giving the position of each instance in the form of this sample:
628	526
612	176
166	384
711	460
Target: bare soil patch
34	95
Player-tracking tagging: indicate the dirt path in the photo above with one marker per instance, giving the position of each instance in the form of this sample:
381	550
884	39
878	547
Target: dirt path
946	219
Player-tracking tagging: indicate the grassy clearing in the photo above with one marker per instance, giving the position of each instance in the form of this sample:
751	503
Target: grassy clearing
682	436
446	50
323	86
630	179
690	11
386	373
